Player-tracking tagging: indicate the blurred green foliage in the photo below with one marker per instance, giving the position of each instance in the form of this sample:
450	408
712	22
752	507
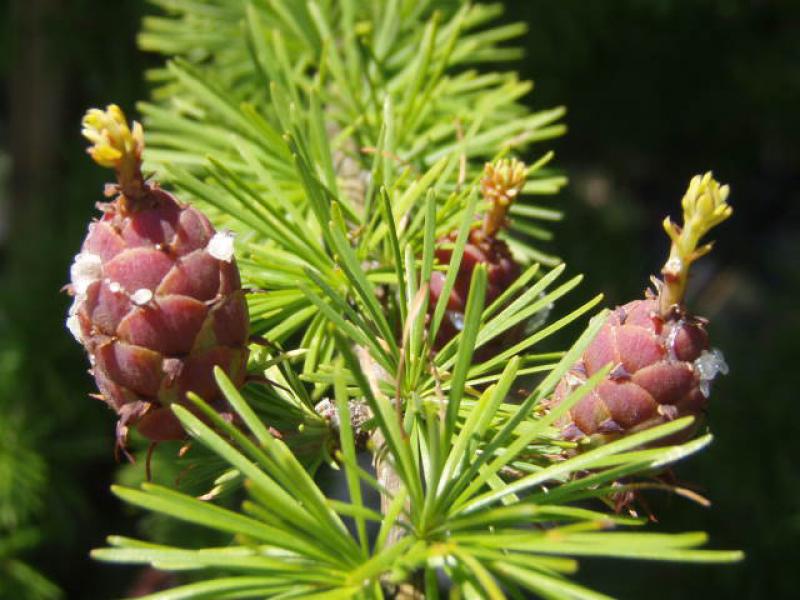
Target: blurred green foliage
56	445
657	90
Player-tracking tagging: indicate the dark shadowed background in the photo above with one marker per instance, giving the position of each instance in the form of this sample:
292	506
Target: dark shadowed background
657	91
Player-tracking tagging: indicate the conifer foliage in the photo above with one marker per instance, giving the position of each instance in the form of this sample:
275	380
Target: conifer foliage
344	143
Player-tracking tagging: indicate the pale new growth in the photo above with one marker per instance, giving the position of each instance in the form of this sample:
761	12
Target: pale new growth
708	365
85	270
220	246
141	296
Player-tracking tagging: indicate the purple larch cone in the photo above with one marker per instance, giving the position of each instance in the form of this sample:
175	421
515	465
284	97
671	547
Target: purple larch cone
157	305
661	370
501	271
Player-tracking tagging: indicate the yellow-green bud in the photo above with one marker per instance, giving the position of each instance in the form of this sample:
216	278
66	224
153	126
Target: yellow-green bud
704	206
502	182
112	140
116	146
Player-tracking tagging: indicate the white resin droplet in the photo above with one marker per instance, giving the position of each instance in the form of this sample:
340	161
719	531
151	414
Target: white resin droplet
115	287
141	296
573	380
85	270
707	366
668	411
220	246
457	319
74	326
76	304
539	318
673	265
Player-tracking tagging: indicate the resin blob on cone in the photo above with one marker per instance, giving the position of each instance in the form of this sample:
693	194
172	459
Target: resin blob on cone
662	365
157	295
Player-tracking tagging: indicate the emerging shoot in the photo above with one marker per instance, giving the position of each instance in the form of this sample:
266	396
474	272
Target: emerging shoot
116	146
704	206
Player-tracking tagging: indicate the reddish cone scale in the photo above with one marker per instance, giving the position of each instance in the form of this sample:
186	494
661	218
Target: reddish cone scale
157	305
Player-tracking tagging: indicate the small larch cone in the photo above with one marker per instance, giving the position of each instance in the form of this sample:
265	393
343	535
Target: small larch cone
500	185
501	272
662	370
662	365
157	295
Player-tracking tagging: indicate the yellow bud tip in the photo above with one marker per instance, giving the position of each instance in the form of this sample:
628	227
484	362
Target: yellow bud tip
113	143
503	179
705	204
502	182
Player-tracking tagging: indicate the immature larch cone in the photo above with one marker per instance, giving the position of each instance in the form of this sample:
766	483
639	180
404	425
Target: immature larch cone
501	272
157	295
662	366
662	370
500	185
